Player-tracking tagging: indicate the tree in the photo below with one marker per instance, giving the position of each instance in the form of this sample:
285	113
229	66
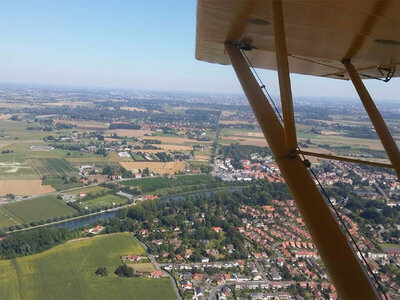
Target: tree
125	271
102	271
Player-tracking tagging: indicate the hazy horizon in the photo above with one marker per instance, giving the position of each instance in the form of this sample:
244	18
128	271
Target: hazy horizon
135	45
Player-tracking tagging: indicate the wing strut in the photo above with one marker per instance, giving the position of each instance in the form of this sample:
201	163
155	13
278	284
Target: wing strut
376	118
347	273
283	75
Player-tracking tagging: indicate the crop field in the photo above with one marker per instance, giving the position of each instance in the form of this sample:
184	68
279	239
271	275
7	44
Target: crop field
16	170
13	129
128	132
173	140
24	187
85	124
137	157
41	208
170	167
87	160
261	142
152	151
133	108
52	167
164	147
197	163
67	272
7	219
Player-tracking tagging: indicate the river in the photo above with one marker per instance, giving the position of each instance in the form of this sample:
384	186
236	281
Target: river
77	223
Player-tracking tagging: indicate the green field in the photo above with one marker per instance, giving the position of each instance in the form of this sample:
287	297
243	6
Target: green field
160	182
8	219
92	189
107	199
386	246
67	272
137	157
41	208
197	163
59	184
52	167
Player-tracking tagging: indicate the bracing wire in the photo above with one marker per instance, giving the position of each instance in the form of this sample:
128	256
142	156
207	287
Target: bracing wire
270	99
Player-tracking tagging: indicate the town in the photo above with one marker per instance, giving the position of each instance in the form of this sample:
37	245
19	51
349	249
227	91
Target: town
197	186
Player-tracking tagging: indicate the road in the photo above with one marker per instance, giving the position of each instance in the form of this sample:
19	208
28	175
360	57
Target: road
158	266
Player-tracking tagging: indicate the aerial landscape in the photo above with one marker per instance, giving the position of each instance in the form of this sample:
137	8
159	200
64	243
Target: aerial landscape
199	150
190	182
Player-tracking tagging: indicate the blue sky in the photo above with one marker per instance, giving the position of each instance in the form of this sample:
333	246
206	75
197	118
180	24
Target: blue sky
138	44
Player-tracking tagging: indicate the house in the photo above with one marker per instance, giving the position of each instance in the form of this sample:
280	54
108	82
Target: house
197	276
179	257
188	253
186	285
133	257
156	274
94	230
144	232
216	229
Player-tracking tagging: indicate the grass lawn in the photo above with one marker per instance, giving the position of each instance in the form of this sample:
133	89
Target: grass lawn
40	208
143	267
8	219
161	182
137	157
59	184
67	272
107	199
197	163
92	189
386	246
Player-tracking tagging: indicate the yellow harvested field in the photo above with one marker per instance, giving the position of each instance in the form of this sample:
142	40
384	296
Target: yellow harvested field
173	147
247	133
24	187
170	167
133	108
68	103
85	124
255	134
227	113
202	157
86	160
4	144
151	151
5	116
129	132
172	140
325	132
232	122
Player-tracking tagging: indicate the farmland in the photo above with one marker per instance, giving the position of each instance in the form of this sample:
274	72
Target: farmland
40	208
170	167
52	167
67	272
24	187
